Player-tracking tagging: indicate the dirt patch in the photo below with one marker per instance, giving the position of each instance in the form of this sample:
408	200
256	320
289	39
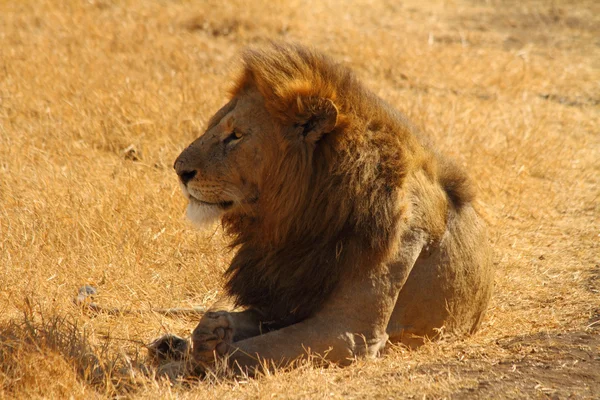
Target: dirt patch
572	102
536	22
547	365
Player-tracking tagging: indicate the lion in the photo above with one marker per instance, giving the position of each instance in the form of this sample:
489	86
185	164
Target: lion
350	231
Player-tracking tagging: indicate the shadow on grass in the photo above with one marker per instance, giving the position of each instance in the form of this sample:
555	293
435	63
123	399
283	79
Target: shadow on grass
67	354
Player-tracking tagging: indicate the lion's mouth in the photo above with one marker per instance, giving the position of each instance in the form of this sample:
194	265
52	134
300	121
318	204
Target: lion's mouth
224	205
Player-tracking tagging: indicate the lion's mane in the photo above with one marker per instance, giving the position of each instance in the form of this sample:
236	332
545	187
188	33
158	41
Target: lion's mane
334	210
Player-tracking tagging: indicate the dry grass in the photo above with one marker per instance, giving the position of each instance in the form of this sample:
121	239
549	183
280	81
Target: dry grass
510	88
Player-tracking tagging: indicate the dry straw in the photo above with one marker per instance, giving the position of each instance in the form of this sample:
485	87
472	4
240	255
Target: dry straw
98	97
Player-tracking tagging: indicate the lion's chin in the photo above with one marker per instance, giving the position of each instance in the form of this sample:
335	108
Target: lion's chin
203	215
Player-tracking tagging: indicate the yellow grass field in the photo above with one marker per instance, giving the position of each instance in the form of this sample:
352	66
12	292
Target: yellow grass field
98	97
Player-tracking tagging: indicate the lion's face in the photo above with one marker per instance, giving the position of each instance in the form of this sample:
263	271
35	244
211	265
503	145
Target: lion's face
222	170
250	148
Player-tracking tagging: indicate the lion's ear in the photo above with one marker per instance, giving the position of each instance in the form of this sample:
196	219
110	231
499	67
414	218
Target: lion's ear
315	117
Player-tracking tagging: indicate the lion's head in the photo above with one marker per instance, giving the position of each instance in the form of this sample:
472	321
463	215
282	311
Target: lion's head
223	171
257	145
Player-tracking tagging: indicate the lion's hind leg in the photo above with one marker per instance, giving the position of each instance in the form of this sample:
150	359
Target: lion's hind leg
448	289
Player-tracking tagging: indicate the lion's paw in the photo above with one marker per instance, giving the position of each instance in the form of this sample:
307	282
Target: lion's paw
168	348
212	336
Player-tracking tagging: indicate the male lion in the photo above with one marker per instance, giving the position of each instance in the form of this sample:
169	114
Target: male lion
350	229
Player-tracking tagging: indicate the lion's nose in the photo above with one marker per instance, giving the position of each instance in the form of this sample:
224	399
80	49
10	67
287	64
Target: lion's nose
186	176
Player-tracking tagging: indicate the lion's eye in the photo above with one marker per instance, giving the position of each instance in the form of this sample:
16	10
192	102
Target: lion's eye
235	135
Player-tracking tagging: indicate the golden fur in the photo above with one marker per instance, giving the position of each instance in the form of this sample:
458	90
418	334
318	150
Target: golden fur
353	161
325	187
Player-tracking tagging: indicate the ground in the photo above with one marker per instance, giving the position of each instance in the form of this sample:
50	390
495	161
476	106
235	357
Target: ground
98	97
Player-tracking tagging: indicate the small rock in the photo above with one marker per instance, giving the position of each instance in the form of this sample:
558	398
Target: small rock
85	294
131	153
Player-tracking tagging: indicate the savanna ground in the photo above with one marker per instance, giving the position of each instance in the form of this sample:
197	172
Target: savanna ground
98	97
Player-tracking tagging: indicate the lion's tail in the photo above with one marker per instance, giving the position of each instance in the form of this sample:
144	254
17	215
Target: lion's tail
456	183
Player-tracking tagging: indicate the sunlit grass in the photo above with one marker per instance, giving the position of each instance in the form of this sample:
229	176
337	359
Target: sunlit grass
98	97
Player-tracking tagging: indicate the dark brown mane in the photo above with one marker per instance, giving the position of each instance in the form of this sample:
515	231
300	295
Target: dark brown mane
329	211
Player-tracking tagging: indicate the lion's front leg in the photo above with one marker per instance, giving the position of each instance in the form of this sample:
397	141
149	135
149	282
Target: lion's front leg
351	325
352	322
223	324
